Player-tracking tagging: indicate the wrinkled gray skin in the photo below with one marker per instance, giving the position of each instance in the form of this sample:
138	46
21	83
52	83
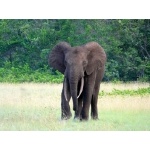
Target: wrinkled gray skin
83	69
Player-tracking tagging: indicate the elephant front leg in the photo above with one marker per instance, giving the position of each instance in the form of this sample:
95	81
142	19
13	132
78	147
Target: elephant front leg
87	96
65	108
78	112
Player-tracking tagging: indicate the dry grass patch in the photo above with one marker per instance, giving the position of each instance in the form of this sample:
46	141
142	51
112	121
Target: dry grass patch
109	87
37	107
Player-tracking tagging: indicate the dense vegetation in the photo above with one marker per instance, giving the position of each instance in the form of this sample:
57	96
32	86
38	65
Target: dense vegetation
25	44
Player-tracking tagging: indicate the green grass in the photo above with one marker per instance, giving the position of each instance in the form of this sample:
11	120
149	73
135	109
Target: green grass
36	107
45	119
139	91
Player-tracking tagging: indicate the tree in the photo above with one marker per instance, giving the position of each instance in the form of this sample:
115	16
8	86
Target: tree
126	42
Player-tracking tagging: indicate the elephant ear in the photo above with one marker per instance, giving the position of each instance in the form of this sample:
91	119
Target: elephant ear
96	57
57	56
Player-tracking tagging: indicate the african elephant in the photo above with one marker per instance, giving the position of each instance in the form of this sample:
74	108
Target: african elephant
83	69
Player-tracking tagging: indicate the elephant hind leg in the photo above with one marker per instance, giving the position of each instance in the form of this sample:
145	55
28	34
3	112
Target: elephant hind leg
94	110
94	101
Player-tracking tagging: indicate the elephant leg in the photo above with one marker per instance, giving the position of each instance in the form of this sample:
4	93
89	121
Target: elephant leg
78	113
65	107
94	109
87	96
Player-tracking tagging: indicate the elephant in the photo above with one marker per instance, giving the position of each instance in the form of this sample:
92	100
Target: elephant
83	68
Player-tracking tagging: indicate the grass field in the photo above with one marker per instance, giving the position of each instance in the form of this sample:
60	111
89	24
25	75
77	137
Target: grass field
31	106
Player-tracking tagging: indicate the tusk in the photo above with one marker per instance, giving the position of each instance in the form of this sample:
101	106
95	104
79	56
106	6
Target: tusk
81	88
65	89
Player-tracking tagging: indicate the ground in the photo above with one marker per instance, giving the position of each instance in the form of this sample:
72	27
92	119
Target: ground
31	106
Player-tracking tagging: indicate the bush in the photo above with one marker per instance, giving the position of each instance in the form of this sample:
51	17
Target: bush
25	74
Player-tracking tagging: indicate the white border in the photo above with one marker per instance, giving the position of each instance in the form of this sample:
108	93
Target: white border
79	9
74	9
75	140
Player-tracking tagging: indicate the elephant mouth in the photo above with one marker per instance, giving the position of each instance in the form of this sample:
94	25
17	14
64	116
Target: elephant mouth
66	87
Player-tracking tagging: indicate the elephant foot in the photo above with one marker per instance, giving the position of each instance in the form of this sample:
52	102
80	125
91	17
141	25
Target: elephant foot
77	116
95	117
79	119
66	116
84	118
76	119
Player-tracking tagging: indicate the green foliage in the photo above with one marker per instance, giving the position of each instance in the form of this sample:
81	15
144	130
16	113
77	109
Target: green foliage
115	92
26	74
28	42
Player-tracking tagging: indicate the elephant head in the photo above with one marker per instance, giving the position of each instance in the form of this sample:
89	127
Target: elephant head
75	63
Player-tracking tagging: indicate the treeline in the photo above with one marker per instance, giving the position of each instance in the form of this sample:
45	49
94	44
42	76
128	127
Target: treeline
25	44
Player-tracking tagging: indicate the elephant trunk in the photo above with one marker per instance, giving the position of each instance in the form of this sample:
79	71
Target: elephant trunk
73	90
73	81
